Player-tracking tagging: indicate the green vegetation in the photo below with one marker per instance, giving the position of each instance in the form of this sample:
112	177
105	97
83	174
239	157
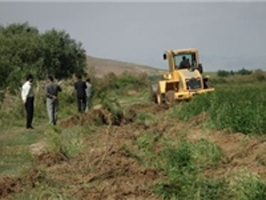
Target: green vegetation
241	76
144	118
224	73
240	108
155	143
154	151
247	185
24	50
183	165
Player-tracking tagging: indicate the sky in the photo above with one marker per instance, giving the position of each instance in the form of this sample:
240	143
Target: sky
228	35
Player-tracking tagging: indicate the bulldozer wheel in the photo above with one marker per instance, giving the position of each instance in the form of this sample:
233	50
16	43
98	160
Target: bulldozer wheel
161	98
153	92
170	96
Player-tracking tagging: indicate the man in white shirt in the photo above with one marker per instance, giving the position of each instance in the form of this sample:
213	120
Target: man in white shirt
27	96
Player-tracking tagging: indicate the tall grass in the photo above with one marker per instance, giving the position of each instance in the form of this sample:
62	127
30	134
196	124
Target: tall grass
64	143
183	165
246	185
183	162
201	155
240	108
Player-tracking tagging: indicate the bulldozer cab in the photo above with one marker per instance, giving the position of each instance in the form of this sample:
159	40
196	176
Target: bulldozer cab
182	59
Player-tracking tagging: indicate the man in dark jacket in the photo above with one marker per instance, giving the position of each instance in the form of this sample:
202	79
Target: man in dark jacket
80	87
51	91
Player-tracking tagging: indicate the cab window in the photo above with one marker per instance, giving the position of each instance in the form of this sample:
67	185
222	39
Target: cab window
184	61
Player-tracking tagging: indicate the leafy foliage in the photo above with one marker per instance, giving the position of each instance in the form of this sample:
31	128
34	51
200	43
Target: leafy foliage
24	50
63	56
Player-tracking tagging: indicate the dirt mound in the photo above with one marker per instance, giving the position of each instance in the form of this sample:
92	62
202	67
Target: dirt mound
239	152
104	116
10	186
199	119
121	177
94	116
100	116
120	169
49	159
38	148
110	169
73	120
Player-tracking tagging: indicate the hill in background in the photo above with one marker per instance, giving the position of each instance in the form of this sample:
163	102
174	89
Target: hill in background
105	66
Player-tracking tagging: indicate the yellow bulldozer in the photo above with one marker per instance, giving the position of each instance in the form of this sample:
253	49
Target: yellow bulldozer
184	79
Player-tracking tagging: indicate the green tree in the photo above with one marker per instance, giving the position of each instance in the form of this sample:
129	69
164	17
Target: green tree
24	50
20	52
63	56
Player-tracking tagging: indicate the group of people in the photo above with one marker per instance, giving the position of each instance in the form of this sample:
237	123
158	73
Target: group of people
83	96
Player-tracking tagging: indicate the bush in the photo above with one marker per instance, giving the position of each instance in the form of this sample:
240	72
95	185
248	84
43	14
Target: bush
223	73
113	85
129	81
244	71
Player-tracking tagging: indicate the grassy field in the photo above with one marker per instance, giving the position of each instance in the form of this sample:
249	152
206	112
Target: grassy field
239	108
212	147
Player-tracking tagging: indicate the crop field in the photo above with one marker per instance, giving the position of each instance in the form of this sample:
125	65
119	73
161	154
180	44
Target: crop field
127	147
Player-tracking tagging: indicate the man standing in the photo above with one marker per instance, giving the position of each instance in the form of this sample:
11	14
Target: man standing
88	92
80	87
51	91
27	96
